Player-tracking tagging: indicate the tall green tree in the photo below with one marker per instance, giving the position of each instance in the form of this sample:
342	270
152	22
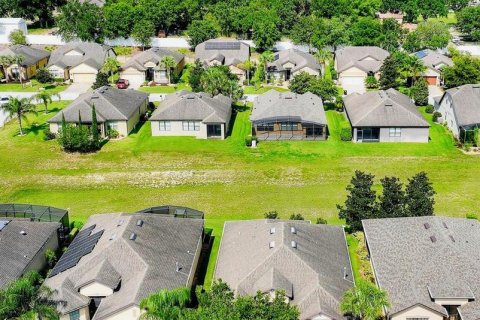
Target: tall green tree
100	80
465	70
219	80
389	73
200	31
248	66
360	203
18	108
392	201
45	98
419	196
303	31
428	35
323	56
265	58
364	301
457	5
142	32
366	32
420	92
195	75
168	62
469	22
265	32
111	66
391	36
332	32
165	304
301	83
120	19
17	37
95	134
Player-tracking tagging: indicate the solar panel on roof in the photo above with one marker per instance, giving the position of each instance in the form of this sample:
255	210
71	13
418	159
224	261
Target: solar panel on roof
421	54
222	46
82	245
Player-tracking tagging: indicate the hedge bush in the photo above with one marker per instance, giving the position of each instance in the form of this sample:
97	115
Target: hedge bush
346	133
435	116
429	109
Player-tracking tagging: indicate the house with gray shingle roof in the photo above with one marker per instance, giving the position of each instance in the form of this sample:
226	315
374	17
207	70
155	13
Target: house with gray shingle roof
354	64
192	114
33	59
385	116
228	52
460	109
23	244
289	63
146	66
428	266
79	61
118	110
434	62
288	116
309	262
133	256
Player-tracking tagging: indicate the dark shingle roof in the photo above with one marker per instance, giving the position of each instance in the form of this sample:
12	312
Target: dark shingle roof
414	269
433	60
383	109
200	106
153	55
305	107
298	58
258	255
31	55
163	245
92	54
110	104
18	250
465	103
238	52
364	58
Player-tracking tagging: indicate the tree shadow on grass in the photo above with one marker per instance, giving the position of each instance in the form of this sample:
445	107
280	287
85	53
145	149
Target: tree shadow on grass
35	129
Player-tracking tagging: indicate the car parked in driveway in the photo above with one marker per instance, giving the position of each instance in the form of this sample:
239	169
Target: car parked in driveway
122	84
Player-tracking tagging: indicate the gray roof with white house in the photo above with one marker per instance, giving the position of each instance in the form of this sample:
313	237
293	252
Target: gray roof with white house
20	242
136	255
367	59
419	259
201	106
31	55
433	60
110	104
274	105
310	262
91	54
299	59
227	51
153	55
465	103
388	108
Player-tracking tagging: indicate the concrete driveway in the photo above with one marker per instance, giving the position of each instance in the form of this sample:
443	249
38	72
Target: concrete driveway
433	91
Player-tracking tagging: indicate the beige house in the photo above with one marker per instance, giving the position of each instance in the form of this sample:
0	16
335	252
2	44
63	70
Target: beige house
23	248
427	265
355	64
118	110
79	62
146	66
192	114
288	63
33	60
119	259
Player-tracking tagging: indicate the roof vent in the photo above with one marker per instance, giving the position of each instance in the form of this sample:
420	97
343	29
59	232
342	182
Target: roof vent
119	223
452	238
112	237
388	104
293	230
433	239
272	230
445	225
476	86
23	233
426	225
271	244
294	244
139	223
133	236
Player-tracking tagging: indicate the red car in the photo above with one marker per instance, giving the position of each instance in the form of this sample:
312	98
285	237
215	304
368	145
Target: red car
122	84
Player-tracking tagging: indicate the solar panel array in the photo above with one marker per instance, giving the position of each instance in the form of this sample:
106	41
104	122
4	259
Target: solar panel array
421	54
222	45
82	245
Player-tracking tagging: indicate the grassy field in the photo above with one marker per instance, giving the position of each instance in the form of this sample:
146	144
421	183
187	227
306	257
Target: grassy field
35	86
451	19
262	89
166	89
223	178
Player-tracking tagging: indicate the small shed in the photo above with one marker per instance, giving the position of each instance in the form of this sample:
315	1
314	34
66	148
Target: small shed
7	25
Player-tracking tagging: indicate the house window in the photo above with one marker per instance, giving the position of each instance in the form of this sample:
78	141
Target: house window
75	315
265	127
164	126
289	126
395	132
191	125
113	126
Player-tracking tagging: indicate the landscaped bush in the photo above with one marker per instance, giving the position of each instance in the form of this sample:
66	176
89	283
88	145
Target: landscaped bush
435	116
296	216
371	82
77	138
429	109
48	135
321	220
346	132
420	92
113	134
44	76
472	216
271	215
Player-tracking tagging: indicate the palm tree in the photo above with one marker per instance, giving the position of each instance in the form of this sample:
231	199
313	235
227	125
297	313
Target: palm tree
45	97
265	59
416	67
365	301
18	60
168	62
165	304
247	65
18	107
110	66
323	56
5	61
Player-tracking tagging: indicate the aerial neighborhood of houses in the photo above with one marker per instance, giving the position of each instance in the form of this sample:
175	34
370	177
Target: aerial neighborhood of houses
150	152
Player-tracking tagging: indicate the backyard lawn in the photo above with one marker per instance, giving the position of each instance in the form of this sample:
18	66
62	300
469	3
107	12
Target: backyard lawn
33	87
223	178
262	89
166	89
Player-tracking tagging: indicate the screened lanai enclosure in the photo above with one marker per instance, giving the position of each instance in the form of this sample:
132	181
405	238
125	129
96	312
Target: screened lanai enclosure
288	128
176	211
469	134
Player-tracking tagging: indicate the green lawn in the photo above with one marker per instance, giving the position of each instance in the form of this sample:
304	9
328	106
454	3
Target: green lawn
223	178
262	89
451	19
166	89
35	86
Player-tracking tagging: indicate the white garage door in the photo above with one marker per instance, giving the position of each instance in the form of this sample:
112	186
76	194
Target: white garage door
135	80
83	77
353	84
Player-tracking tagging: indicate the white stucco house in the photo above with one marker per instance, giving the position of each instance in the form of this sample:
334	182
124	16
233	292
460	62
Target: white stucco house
7	25
355	64
192	114
385	116
80	62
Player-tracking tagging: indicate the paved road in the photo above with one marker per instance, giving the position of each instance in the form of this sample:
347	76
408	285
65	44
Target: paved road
433	91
